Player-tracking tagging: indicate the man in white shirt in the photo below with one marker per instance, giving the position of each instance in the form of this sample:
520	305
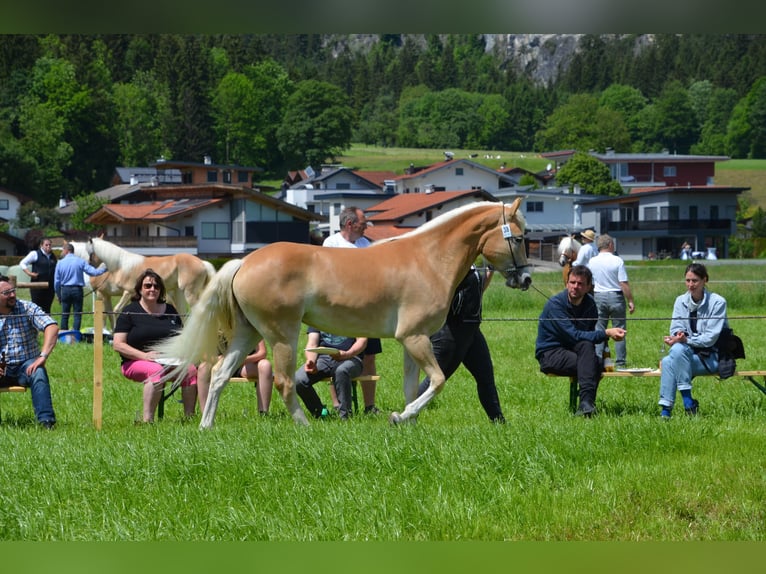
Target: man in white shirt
611	291
588	249
352	226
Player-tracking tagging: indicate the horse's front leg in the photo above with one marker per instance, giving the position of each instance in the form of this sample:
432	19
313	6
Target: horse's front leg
418	355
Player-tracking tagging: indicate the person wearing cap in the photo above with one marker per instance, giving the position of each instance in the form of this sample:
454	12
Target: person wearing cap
588	249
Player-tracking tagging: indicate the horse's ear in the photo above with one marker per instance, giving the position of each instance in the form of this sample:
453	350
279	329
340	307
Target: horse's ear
515	205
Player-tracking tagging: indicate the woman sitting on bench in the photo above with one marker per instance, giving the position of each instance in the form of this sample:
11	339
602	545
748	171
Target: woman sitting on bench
698	317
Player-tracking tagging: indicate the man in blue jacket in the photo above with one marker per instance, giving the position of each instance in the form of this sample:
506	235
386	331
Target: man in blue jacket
567	337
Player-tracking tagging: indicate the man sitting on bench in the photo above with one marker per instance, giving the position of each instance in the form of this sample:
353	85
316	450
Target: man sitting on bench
567	337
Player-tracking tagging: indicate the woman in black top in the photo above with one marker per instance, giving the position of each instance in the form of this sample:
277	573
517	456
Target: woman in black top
147	320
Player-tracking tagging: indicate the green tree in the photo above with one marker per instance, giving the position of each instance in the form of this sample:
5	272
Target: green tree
143	113
46	114
317	124
87	204
33	215
235	114
712	139
582	124
626	101
678	128
590	174
272	87
378	123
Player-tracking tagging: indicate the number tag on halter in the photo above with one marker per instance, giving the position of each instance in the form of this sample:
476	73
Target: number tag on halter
506	231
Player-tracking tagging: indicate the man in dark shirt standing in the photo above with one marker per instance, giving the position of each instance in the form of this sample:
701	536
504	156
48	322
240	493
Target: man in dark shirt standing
460	340
567	337
40	265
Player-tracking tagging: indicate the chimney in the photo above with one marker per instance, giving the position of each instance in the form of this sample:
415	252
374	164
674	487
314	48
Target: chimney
207	160
62	201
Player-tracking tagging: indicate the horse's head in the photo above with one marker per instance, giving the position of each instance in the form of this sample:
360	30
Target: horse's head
505	248
92	257
568	248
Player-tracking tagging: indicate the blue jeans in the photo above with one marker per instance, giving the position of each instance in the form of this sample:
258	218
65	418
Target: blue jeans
611	305
39	387
71	299
679	367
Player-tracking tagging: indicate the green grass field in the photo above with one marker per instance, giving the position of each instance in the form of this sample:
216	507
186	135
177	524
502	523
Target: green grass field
544	476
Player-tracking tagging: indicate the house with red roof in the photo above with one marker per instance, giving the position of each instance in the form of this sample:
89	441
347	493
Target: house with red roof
336	188
206	209
669	199
405	212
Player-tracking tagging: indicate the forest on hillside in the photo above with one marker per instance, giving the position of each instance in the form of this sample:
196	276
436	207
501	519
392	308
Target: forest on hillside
73	107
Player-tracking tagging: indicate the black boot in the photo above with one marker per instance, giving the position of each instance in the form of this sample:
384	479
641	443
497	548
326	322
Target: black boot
587	407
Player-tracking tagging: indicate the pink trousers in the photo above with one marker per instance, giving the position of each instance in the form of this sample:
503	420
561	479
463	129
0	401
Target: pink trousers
151	372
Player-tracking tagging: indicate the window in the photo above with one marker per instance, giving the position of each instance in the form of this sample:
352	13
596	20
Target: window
458	171
242	177
215	231
693	212
650	214
189	231
342	185
668	171
212	176
669	213
713	212
227	176
536	206
4	206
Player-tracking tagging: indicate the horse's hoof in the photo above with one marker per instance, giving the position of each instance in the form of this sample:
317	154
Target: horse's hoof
394	418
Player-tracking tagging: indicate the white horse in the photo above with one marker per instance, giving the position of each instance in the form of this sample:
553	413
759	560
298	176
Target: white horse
567	250
103	286
184	275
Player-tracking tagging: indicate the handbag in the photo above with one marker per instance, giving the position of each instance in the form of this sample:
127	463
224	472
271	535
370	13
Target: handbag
730	348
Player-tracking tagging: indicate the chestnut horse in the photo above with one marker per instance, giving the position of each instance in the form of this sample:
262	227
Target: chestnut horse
184	274
567	250
399	287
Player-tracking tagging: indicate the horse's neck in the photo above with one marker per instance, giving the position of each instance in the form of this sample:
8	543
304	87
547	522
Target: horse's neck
450	240
116	257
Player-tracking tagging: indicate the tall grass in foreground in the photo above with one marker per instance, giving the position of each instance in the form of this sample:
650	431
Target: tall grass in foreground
545	475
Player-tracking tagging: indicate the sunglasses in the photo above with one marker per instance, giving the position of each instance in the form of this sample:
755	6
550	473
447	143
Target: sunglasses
150	286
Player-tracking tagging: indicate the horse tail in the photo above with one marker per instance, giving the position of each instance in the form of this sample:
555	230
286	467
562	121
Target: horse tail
209	269
212	317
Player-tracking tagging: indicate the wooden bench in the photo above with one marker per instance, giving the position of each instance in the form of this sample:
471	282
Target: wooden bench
13	389
360	379
574	394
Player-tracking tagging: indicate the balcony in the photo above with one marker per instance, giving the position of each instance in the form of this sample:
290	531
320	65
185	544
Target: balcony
669	225
154	242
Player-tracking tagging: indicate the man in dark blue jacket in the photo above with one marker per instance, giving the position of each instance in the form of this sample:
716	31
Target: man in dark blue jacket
567	337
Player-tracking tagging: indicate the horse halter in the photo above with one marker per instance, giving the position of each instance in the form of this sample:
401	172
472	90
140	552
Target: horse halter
514	274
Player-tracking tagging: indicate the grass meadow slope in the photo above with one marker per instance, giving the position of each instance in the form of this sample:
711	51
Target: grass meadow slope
544	476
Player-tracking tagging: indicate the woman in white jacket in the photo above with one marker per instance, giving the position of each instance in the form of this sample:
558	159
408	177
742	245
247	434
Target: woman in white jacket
698	317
